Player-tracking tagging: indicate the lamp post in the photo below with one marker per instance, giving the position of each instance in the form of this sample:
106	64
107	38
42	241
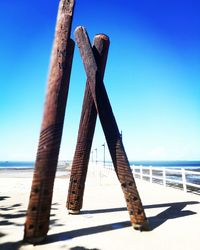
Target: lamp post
103	154
92	156
96	154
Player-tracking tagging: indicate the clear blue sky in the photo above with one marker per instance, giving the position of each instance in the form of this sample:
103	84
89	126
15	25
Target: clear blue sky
152	75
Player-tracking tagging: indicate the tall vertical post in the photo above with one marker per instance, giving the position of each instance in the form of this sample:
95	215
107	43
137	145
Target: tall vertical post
38	213
104	155
96	155
92	156
111	131
85	134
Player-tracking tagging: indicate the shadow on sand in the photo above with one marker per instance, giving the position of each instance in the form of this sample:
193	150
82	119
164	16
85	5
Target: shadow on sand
83	248
11	245
7	218
173	211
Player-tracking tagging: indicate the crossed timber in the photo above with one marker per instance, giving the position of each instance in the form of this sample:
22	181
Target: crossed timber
94	61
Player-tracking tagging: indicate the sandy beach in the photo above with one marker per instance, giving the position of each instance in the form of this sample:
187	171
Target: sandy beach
103	224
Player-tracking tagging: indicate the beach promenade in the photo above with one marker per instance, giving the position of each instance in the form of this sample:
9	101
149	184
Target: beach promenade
103	224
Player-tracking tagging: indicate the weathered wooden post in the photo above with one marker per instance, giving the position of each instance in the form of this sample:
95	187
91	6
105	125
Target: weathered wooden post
37	220
86	133
111	131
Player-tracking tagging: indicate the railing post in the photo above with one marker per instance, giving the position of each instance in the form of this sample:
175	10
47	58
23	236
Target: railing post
141	172
150	174
164	177
133	171
184	180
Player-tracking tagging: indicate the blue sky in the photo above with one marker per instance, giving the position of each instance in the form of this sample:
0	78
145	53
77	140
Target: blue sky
152	76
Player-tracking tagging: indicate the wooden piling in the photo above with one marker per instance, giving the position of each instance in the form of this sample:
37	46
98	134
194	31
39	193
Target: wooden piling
38	213
86	133
111	131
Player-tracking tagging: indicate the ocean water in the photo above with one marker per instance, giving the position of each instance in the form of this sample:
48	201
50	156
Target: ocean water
168	164
16	164
24	164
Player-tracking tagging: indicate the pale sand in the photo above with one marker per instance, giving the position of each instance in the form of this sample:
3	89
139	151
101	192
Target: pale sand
104	224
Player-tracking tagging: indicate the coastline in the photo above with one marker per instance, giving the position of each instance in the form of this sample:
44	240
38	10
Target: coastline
27	172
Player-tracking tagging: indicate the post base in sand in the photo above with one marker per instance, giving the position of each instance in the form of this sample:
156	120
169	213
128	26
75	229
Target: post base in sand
74	211
142	227
34	241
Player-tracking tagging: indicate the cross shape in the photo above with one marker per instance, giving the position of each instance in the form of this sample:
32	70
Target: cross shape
99	98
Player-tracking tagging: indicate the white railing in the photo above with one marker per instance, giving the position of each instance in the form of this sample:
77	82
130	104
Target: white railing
178	177
174	177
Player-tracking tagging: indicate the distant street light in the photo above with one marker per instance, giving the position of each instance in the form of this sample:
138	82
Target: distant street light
103	154
92	156
121	135
96	154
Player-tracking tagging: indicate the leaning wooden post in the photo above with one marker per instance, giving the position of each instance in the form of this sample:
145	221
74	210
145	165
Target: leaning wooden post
37	220
111	131
85	134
